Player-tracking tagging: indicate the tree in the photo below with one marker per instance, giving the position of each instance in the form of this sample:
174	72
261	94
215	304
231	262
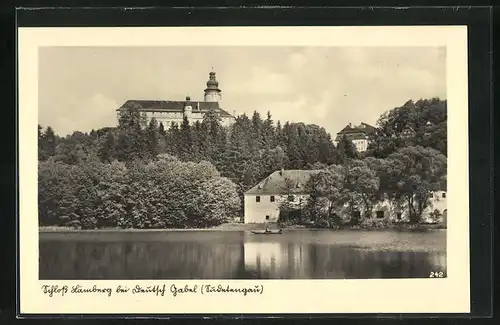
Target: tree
268	132
156	194
106	150
257	131
161	129
326	191
345	151
362	187
217	136
131	140
152	136
47	142
415	123
186	140
413	173
41	152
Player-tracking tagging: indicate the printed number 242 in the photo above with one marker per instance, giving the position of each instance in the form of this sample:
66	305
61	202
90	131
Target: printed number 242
436	275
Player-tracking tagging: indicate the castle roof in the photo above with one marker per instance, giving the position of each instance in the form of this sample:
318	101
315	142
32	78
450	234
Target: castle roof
173	106
283	182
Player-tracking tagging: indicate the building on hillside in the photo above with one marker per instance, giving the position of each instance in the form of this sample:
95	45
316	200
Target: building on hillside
408	132
262	202
360	135
168	112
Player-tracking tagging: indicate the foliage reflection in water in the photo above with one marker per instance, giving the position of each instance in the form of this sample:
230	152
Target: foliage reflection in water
238	255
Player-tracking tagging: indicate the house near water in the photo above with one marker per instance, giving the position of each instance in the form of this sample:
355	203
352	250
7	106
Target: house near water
262	202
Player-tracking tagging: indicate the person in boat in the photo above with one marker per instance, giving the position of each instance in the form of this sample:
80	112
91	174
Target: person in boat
267	228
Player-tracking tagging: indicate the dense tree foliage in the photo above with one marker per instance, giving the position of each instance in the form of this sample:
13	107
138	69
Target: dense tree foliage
415	172
407	177
167	193
422	123
133	175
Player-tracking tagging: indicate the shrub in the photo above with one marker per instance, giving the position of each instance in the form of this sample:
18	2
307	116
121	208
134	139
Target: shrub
162	194
376	223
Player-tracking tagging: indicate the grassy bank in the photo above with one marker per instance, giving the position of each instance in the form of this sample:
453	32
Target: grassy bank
246	227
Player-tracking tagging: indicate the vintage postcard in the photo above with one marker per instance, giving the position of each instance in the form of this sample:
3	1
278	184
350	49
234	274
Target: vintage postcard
243	170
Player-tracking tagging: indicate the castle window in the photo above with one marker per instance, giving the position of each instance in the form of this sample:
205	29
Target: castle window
272	198
257	199
444	195
398	215
380	214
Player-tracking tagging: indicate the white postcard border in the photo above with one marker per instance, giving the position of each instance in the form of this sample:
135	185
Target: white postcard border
449	295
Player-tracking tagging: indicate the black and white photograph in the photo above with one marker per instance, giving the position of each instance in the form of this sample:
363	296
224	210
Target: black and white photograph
243	162
281	163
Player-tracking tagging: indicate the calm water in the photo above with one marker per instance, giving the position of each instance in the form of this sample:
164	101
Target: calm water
296	254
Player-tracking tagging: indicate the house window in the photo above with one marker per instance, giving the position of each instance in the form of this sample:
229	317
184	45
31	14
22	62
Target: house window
257	199
444	195
291	198
356	214
272	198
267	217
398	215
380	214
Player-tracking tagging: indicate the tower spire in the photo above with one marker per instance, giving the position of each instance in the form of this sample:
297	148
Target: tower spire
212	92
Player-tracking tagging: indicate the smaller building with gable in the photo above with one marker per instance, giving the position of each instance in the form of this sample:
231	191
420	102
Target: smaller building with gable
262	202
360	135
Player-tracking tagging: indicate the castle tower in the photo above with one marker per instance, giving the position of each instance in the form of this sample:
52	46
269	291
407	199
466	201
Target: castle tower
212	92
188	108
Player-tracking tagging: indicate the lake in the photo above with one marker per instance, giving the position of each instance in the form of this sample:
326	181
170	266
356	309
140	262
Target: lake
296	254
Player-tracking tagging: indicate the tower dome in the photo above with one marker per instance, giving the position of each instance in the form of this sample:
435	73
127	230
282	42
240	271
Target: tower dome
212	92
212	83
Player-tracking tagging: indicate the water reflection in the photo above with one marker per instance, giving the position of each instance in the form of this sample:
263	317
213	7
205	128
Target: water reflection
236	257
289	261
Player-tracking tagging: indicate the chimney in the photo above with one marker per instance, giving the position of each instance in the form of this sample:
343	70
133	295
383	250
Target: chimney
281	171
350	125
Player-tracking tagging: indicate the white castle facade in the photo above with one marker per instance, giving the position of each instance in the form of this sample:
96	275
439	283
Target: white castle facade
168	112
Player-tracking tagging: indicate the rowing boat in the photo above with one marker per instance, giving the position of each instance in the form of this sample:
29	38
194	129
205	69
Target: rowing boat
267	232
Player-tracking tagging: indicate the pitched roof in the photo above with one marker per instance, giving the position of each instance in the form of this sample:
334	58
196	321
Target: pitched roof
357	132
277	183
351	136
173	106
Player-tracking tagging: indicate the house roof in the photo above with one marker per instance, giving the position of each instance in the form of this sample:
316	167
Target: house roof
277	183
352	136
173	106
361	131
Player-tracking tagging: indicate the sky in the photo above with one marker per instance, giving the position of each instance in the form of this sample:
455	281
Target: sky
80	88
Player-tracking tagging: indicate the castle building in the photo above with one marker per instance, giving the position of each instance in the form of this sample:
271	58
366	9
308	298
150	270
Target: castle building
360	135
168	112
